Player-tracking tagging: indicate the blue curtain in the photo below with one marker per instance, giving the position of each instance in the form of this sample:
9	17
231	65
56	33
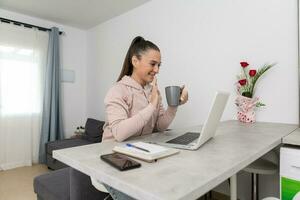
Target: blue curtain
52	127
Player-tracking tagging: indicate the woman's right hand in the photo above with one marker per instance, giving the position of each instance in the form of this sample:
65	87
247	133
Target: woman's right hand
155	95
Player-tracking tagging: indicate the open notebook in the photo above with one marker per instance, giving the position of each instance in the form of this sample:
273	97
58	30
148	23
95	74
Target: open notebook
153	153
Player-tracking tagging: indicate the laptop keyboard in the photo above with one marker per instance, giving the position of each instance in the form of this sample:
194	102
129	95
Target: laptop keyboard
185	138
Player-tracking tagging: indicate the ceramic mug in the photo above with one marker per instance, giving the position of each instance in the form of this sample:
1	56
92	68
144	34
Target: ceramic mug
173	95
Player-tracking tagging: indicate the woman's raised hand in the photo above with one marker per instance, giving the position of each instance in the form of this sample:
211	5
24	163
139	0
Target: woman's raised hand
155	95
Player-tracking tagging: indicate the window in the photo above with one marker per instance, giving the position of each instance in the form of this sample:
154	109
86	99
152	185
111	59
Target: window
19	81
23	54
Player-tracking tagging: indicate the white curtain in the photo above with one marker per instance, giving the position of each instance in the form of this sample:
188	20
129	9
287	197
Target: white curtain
22	62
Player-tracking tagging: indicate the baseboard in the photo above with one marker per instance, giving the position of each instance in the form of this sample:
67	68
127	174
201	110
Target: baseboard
8	166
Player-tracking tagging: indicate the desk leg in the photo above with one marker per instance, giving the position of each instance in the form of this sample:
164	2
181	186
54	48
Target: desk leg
233	188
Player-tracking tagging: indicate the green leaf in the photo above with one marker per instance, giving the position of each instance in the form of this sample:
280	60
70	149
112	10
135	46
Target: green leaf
259	73
259	104
247	94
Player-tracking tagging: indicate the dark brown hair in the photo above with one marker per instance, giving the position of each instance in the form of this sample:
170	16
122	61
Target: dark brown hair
137	47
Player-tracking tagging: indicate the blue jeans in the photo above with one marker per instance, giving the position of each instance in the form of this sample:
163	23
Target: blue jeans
117	195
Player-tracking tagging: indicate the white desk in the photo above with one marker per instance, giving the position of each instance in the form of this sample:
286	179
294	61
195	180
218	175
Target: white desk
293	138
188	175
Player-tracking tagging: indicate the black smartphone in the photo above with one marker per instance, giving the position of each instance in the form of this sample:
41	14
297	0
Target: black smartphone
120	161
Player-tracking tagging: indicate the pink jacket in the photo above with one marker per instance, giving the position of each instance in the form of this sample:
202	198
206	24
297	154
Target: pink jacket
130	113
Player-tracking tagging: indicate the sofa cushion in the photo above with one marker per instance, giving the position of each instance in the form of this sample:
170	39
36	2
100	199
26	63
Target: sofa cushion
94	130
53	185
66	143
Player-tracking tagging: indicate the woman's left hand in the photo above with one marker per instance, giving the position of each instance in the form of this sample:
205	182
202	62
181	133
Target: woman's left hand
184	95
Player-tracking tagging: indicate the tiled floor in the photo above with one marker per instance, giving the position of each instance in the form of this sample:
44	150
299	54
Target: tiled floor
17	184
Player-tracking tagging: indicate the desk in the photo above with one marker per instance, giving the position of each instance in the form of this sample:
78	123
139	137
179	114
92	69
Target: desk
189	174
293	138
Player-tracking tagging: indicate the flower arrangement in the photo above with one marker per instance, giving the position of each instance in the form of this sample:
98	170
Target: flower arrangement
248	78
245	101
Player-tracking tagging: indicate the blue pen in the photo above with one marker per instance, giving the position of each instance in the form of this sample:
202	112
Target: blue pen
131	145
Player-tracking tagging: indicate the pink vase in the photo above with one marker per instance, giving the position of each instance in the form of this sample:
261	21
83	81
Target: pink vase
246	108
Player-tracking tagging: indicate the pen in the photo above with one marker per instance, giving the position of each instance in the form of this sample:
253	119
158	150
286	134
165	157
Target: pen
131	145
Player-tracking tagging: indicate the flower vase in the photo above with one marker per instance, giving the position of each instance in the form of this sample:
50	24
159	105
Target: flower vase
246	108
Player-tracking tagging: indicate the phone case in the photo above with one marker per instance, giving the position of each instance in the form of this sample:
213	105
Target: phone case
120	161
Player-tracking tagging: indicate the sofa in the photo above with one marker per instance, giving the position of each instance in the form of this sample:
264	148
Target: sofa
66	183
93	134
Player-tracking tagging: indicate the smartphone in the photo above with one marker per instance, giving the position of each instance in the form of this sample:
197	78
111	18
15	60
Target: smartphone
120	161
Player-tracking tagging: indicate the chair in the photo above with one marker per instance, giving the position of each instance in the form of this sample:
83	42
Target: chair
266	165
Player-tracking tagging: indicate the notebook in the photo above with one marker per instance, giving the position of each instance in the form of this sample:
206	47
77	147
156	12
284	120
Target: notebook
193	140
152	153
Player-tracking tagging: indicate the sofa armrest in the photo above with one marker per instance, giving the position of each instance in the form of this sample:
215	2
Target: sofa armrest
66	143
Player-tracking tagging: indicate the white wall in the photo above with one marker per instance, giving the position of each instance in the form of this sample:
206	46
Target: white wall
73	57
202	43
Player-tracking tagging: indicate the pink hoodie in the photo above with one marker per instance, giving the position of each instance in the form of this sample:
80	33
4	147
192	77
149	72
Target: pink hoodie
130	113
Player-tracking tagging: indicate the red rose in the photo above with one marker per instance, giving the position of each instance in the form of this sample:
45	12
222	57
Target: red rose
243	82
244	64
252	72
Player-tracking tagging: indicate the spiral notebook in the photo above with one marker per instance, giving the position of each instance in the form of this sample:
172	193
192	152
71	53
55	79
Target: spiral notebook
152	153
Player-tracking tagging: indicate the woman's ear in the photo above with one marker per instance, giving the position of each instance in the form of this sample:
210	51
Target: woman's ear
134	61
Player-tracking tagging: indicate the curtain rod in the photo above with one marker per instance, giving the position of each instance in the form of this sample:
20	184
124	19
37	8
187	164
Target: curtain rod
27	25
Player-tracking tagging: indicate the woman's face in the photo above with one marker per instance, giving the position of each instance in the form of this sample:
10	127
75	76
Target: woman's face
146	67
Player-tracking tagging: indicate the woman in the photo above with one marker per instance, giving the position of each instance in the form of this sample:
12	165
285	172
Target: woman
133	105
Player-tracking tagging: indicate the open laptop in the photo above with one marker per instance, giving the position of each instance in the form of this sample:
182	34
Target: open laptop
193	140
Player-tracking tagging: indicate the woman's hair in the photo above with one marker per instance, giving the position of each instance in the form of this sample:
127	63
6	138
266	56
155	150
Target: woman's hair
137	47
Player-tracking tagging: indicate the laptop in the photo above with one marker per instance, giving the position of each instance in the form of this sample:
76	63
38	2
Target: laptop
193	140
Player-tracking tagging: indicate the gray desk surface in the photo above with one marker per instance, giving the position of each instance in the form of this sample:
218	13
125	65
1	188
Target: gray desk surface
189	174
293	138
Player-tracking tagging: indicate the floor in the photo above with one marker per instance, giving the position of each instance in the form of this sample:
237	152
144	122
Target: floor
17	184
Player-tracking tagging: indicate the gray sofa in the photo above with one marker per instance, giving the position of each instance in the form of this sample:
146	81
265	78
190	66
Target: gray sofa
66	183
93	134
